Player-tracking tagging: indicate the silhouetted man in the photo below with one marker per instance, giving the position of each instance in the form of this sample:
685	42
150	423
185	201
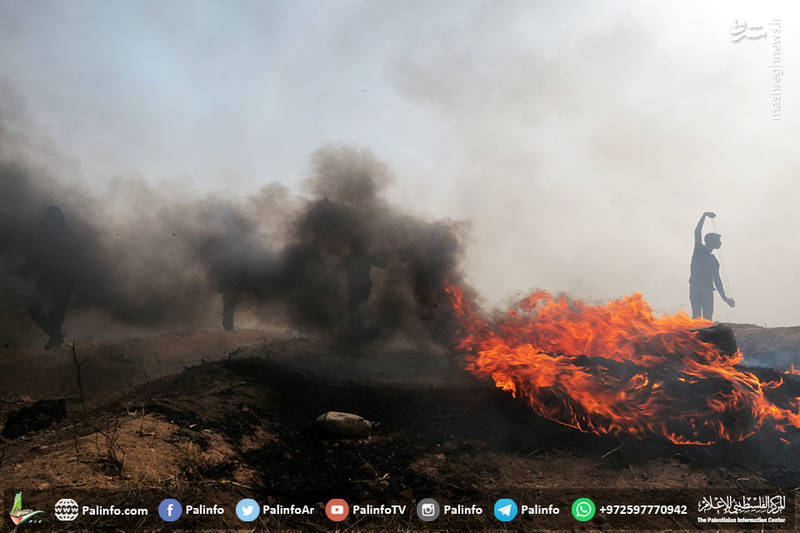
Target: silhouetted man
228	308
705	272
53	270
357	265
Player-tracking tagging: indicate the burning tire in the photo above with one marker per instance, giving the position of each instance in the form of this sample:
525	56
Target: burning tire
721	336
619	369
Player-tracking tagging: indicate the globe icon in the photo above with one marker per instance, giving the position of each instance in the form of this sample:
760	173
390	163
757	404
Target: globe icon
66	510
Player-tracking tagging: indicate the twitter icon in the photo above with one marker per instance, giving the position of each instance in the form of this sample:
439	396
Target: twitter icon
505	509
247	510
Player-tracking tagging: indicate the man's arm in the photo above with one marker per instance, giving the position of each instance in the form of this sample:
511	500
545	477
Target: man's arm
718	284
698	230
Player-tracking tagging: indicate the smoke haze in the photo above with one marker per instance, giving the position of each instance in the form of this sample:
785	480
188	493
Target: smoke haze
159	262
580	143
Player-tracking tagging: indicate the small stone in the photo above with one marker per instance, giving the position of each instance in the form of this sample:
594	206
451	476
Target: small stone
345	424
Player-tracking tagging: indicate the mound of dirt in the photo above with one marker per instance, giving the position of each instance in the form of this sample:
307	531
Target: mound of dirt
32	418
110	369
769	347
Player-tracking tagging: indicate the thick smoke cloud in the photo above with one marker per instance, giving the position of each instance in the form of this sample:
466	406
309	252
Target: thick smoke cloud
304	273
134	276
148	260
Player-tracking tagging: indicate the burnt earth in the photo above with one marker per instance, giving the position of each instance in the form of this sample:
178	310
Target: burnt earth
244	427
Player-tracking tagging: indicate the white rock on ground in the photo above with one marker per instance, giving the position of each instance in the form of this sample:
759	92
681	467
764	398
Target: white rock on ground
345	424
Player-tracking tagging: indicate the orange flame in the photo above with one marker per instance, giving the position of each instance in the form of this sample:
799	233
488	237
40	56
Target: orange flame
617	368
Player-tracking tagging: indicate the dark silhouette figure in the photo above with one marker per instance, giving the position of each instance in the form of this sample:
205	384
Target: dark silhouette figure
53	270
228	308
357	265
705	272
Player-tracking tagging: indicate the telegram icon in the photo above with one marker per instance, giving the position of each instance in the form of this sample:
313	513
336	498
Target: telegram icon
505	509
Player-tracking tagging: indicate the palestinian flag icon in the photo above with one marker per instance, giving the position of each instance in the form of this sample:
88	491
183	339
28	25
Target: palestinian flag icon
20	515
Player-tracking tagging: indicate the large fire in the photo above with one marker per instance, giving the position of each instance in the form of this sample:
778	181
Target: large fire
618	368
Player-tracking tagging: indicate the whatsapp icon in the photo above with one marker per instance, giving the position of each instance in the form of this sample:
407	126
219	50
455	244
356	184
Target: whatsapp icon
583	509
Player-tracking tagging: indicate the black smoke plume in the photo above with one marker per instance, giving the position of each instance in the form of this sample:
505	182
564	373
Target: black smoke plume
150	261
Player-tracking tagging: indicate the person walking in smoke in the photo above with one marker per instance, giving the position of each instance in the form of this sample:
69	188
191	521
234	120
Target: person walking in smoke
53	271
357	266
705	272
228	308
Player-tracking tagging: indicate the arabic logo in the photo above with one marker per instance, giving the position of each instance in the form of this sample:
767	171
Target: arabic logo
730	505
740	31
20	515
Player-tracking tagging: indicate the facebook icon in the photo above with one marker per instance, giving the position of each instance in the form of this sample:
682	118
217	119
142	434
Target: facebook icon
170	510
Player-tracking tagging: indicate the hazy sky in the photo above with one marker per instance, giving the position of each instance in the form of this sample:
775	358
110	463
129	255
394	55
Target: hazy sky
582	140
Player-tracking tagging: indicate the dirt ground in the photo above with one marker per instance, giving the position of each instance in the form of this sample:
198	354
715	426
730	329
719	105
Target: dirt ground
217	417
111	368
772	347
